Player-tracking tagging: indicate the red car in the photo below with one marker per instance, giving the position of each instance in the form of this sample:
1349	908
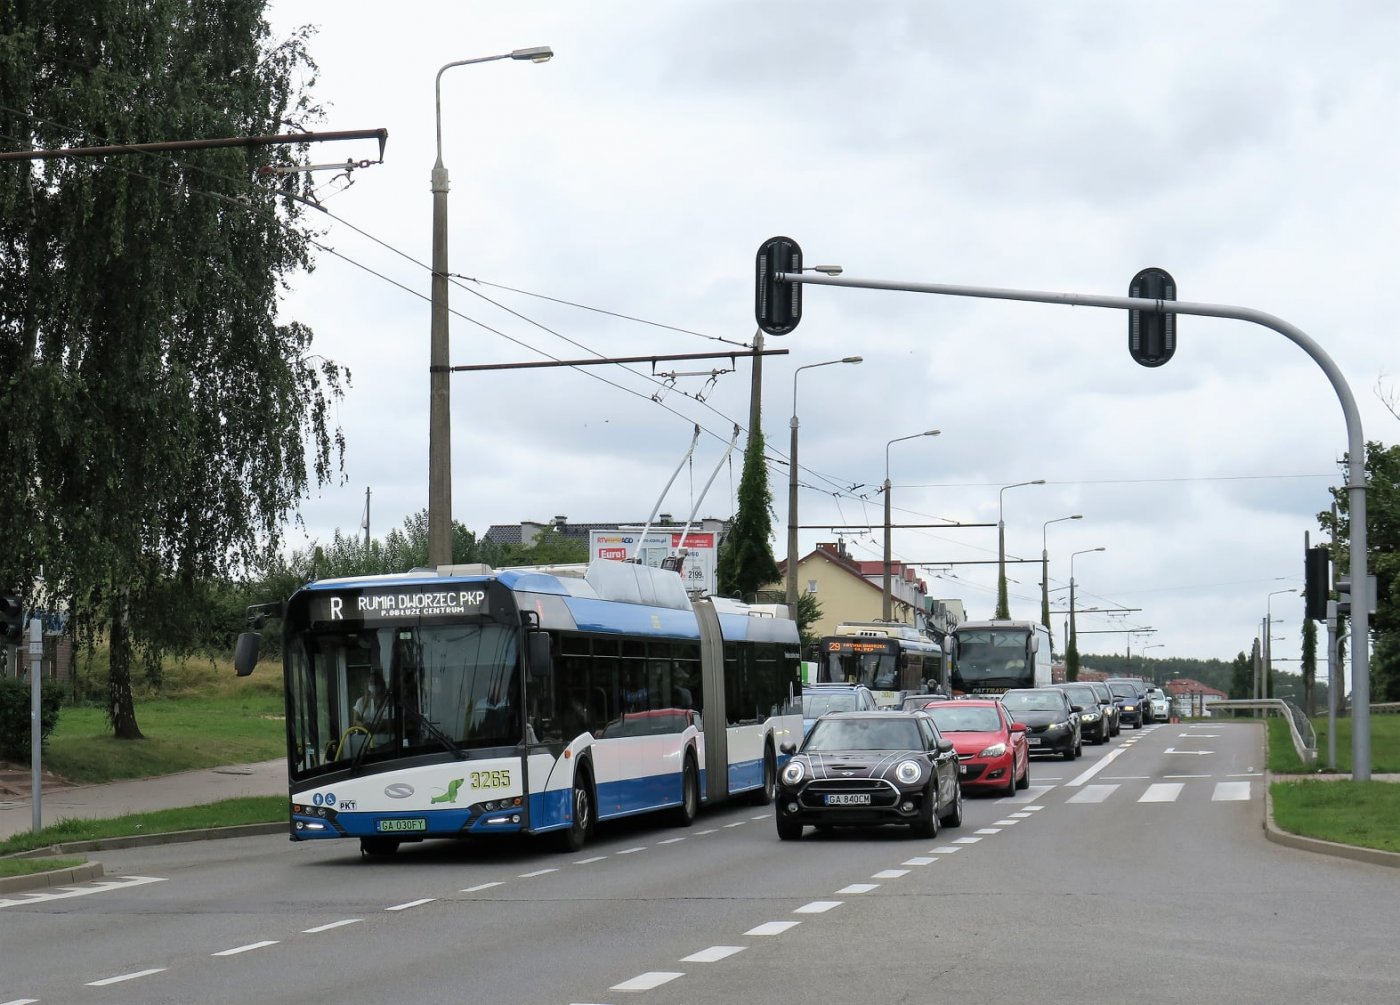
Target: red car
992	749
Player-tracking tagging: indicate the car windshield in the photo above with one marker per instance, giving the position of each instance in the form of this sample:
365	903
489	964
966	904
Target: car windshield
875	733
1032	701
818	703
914	702
1082	695
1124	690
955	718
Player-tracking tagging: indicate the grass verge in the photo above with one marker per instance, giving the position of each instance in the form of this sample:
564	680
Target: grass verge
1365	814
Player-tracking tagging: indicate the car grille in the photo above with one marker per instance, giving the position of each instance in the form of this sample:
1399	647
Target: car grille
881	793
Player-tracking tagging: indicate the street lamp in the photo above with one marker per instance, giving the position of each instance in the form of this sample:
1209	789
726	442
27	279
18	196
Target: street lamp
886	606
1045	571
792	485
1072	647
1142	653
1003	610
439	391
1261	688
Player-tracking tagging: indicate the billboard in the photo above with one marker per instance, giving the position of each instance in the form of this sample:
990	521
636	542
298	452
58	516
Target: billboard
698	573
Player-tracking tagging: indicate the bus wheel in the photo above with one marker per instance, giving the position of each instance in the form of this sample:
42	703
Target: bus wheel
684	814
378	847
764	795
575	836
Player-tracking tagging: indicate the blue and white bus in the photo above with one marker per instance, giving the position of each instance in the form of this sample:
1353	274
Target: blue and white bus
525	701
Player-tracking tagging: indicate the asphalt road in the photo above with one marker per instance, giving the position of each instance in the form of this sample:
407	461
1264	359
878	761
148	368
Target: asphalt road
1139	872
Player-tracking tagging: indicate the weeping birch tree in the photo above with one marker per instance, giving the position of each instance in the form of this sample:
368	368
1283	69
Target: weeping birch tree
160	420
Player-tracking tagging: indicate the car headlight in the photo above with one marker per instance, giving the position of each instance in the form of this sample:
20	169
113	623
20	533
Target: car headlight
1129	708
908	772
1088	717
792	773
1055	727
995	750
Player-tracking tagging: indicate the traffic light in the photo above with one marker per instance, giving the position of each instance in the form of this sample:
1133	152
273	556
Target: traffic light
777	306
1152	334
1316	575
11	620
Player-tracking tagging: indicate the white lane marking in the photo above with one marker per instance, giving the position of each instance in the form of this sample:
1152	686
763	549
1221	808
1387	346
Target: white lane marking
1008	823
1162	792
670	841
817	907
919	860
773	928
1099	765
761	816
647	981
65	892
710	831
1173	750
480	886
987	830
1186	776
713	955
117	980
1199	736
890	874
20	1001
1092	794
630	851
582	861
246	949
1020	816
859	888
333	924
943	849
1126	778
1229	791
1029	796
736	823
540	872
411	903
1245	774
1032	809
966	840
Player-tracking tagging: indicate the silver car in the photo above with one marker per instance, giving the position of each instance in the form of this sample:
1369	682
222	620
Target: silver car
1160	704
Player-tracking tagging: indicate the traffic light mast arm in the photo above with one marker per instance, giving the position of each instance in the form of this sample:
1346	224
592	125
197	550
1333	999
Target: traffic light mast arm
1356	441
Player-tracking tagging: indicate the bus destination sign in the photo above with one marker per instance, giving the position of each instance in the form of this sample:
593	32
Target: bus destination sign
848	646
393	605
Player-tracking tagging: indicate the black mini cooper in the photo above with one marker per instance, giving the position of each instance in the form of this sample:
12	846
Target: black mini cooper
864	768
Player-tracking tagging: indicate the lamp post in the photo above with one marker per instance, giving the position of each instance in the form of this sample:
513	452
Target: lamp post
1045	571
792	486
1143	654
887	605
1072	646
439	390
1003	610
1262	687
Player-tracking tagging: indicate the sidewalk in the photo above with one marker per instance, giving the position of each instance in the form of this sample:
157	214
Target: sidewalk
114	799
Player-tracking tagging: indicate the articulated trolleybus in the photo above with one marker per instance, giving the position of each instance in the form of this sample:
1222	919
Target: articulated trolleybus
890	658
525	701
990	657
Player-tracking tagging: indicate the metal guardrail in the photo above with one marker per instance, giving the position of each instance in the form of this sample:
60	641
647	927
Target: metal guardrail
1304	739
1392	707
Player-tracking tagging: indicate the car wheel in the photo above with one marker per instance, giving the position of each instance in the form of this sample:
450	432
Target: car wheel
684	814
954	817
764	795
789	830
575	836
926	825
1025	782
1138	724
1011	783
1069	754
377	847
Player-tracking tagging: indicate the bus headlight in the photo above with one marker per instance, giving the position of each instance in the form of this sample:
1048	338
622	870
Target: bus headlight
792	773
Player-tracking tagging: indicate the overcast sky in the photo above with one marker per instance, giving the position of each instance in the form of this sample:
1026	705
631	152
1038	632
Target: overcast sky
1247	148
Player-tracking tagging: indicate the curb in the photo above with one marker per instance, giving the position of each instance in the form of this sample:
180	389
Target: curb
95	870
1272	832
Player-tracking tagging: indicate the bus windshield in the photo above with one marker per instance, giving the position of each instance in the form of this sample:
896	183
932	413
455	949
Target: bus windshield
874	664
370	693
991	659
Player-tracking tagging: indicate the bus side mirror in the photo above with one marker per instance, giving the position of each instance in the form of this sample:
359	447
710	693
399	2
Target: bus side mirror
541	657
1035	643
245	653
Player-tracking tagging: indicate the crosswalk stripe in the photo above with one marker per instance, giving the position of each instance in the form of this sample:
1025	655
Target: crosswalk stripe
1093	794
1162	792
1228	791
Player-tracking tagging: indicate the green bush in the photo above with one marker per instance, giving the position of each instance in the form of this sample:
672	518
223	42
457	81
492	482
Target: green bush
15	727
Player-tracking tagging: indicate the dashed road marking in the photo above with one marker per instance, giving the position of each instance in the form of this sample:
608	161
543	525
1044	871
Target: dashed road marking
479	887
1092	794
890	874
117	980
859	888
334	924
1161	792
539	872
647	981
817	907
246	949
772	928
919	860
411	903
713	955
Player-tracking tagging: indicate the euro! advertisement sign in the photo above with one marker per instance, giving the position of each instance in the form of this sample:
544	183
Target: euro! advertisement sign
698	572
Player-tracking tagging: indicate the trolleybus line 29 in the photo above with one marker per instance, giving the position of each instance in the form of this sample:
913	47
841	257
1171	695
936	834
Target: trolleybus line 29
525	701
890	658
